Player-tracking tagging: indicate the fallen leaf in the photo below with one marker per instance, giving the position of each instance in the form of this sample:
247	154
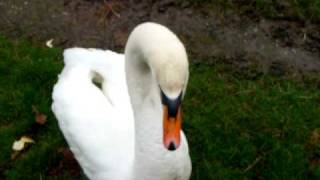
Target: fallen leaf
26	139
39	117
49	43
20	144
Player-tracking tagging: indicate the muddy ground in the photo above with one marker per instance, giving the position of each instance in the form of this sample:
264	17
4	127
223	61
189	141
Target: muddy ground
249	40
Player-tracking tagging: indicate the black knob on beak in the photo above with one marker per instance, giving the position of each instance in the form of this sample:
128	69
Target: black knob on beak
172	147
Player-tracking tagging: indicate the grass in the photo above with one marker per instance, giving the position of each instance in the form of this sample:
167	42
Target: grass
234	123
27	74
238	128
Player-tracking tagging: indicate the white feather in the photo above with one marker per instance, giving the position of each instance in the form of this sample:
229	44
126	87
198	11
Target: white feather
99	125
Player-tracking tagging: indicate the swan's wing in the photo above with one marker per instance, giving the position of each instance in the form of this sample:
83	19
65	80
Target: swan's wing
97	124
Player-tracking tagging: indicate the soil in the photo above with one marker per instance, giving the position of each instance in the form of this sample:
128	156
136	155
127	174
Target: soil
245	40
274	46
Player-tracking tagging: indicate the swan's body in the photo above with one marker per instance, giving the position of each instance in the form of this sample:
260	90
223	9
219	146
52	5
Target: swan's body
114	135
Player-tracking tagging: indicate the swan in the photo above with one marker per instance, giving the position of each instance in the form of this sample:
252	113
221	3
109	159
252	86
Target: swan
130	127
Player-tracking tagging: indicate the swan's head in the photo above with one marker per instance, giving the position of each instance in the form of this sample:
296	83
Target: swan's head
171	71
154	48
169	63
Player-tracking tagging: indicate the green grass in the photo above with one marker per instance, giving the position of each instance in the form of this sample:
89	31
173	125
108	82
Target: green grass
231	122
237	128
27	74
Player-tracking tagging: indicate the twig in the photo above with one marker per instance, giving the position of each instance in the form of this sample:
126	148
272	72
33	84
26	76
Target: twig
113	11
252	164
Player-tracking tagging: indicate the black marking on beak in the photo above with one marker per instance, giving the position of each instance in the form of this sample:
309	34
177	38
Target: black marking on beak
172	104
172	147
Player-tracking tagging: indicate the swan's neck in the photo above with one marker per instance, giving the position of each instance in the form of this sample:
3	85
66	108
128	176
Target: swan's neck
146	104
147	109
154	58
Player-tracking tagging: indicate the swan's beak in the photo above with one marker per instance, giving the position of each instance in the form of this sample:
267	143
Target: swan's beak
171	122
171	129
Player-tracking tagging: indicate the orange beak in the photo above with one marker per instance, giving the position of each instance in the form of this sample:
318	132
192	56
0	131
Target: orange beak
171	129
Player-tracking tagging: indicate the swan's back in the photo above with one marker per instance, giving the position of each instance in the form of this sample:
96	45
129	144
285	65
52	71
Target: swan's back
97	123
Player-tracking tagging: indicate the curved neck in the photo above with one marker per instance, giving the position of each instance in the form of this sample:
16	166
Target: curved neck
154	57
145	99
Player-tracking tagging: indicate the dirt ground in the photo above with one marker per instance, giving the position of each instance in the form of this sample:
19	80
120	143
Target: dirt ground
275	46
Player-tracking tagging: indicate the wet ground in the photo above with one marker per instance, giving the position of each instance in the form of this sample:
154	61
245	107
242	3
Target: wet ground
275	46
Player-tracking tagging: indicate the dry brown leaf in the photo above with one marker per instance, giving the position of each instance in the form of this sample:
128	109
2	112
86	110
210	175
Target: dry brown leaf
39	117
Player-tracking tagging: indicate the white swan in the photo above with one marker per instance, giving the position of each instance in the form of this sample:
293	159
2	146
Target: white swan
131	128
